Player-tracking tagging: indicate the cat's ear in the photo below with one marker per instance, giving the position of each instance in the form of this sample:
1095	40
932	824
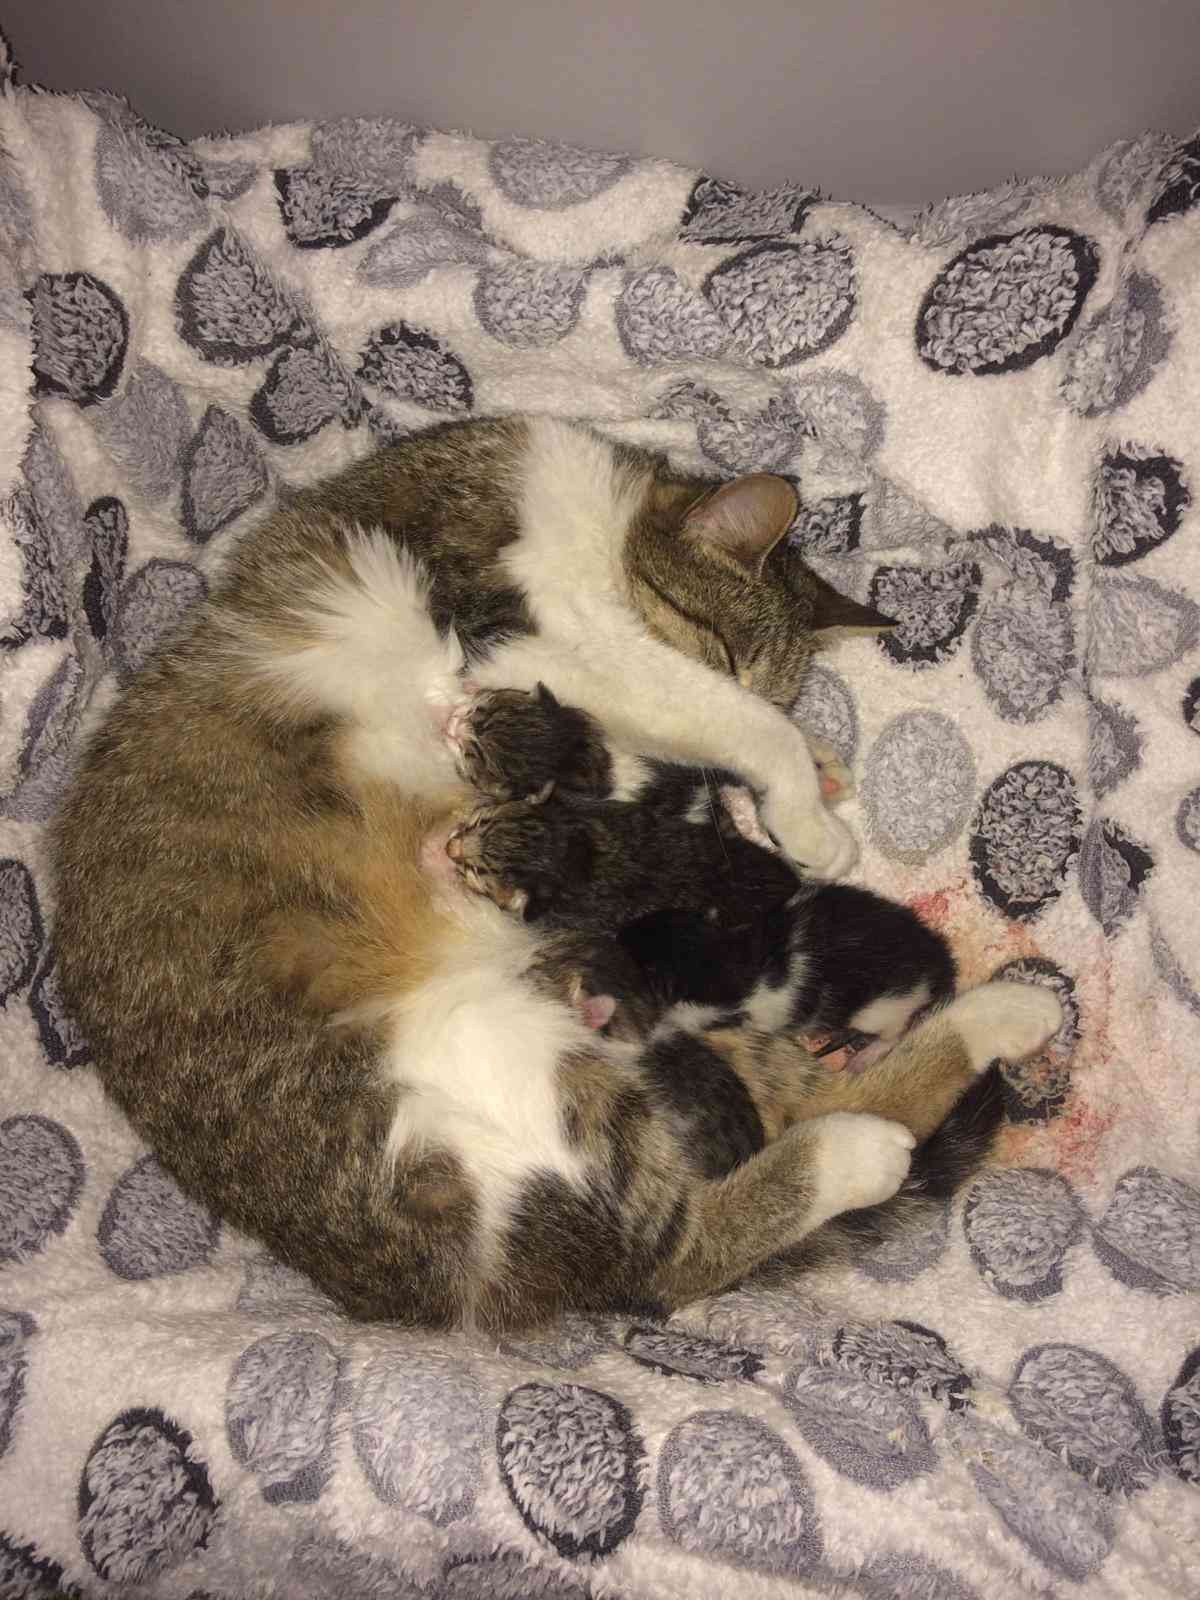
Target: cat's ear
832	610
545	697
745	519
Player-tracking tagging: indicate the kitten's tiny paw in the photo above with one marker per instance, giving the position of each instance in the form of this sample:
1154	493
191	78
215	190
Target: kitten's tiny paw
811	837
1010	1020
861	1160
834	776
742	811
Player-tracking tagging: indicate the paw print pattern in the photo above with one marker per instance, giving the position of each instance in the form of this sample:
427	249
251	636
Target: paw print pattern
150	1229
552	177
1084	1409
1019	1225
719	213
21	932
903	1355
1025	838
359	167
435	1472
41	1179
1138	626
1118	350
223	475
870	1433
1140	500
690	1355
280	1403
146	1501
784	302
1006	301
731	1488
230	309
410	364
542	1433
1115	745
932	605
1113	869
80	335
917	786
1149	1235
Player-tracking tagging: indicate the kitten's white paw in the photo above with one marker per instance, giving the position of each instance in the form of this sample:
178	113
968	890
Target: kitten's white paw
1011	1020
861	1160
811	837
835	777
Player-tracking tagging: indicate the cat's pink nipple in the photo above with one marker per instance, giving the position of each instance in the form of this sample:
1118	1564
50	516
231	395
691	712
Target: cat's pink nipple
434	853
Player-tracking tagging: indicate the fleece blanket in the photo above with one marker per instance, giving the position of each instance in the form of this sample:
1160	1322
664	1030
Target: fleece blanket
994	420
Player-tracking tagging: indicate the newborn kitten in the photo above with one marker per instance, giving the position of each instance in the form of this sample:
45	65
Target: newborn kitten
709	918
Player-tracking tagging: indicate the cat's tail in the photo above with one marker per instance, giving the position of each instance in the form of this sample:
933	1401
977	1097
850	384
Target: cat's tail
952	1154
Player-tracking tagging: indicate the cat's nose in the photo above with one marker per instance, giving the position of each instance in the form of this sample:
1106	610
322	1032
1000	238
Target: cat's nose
454	846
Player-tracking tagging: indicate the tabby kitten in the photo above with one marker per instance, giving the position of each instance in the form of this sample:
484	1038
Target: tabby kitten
334	1045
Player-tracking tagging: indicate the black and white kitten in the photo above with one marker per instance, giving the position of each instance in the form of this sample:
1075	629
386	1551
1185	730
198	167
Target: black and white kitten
651	859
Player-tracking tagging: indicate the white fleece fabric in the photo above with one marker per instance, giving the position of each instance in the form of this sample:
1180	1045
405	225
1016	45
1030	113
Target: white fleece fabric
994	421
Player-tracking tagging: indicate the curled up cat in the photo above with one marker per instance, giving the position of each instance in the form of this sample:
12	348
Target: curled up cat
327	1038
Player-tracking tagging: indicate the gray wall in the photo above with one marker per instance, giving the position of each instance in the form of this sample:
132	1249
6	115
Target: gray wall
888	101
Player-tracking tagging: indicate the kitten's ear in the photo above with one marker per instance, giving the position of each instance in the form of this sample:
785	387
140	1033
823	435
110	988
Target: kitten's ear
833	610
746	518
545	697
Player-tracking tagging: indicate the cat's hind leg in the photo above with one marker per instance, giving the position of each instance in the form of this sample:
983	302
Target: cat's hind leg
845	1145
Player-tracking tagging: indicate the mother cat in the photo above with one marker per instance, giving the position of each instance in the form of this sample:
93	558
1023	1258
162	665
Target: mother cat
260	825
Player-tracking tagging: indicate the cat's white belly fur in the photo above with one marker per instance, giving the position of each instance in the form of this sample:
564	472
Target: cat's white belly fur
476	1052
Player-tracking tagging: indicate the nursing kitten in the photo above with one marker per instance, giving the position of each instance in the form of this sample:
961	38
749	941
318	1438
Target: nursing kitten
328	1040
709	918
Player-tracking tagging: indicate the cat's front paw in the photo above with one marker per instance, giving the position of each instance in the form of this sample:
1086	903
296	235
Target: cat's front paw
814	840
1010	1020
860	1160
833	775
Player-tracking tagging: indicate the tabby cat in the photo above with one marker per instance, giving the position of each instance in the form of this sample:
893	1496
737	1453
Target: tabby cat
325	1036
